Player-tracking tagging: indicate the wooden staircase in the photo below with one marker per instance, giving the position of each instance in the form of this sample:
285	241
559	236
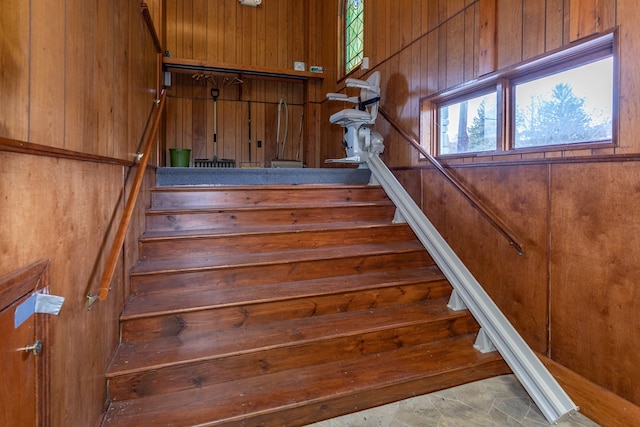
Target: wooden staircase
282	306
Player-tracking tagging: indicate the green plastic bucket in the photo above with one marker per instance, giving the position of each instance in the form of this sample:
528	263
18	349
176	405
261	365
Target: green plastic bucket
179	157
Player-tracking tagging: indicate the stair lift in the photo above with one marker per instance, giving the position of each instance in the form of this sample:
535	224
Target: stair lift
359	140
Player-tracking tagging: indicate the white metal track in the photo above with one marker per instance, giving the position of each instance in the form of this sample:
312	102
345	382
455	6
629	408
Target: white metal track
545	391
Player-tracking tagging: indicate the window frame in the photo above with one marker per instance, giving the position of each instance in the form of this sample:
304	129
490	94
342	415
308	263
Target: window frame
579	53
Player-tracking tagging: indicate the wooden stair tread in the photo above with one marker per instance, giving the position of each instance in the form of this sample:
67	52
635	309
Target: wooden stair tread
201	196
277	257
266	187
184	299
278	206
186	347
391	376
265	230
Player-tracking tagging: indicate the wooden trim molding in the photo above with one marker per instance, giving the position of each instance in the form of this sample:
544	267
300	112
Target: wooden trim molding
44	150
597	403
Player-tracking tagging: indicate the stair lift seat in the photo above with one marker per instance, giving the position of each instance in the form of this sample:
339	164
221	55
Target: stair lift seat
359	139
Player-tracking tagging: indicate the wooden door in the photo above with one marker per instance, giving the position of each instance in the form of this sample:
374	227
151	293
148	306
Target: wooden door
23	396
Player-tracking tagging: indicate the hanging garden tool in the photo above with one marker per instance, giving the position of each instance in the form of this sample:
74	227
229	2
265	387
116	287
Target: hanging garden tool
215	92
216	162
250	163
249	124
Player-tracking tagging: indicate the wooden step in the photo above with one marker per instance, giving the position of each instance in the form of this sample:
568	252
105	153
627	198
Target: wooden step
339	387
205	273
180	298
168	314
282	306
234	270
203	197
229	355
250	241
191	345
276	215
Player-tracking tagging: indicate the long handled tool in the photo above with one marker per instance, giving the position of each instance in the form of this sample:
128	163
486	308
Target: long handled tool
300	138
215	92
216	162
249	119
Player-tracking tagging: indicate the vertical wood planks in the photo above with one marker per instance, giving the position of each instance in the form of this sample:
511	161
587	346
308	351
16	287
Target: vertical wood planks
533	23
583	19
14	66
487	37
47	79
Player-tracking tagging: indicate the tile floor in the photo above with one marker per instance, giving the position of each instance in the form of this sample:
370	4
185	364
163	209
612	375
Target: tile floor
499	401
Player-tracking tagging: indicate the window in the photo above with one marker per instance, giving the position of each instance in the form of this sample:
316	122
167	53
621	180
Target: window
567	107
353	34
469	125
565	98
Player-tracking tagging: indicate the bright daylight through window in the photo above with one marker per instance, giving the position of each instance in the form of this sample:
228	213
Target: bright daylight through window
469	125
565	98
567	107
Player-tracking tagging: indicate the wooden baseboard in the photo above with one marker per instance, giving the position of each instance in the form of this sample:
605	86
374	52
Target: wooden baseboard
595	402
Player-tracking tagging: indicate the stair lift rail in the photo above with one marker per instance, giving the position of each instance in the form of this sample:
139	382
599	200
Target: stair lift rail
545	391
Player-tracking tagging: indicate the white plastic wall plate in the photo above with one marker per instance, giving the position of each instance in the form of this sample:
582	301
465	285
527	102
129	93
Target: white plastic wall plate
252	3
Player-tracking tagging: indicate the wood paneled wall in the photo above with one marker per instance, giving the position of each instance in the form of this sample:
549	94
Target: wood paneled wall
190	119
574	294
273	35
77	76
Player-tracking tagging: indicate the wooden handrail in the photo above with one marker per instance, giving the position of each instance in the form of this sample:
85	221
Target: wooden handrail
152	29
487	213
116	247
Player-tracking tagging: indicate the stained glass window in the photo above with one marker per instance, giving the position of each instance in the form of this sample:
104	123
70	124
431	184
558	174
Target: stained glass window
354	30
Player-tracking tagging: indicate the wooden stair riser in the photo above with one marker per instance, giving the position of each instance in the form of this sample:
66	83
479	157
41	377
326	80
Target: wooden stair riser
251	243
282	271
167	198
271	360
247	315
226	218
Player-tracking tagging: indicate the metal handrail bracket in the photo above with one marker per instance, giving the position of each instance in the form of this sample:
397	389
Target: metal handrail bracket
545	391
